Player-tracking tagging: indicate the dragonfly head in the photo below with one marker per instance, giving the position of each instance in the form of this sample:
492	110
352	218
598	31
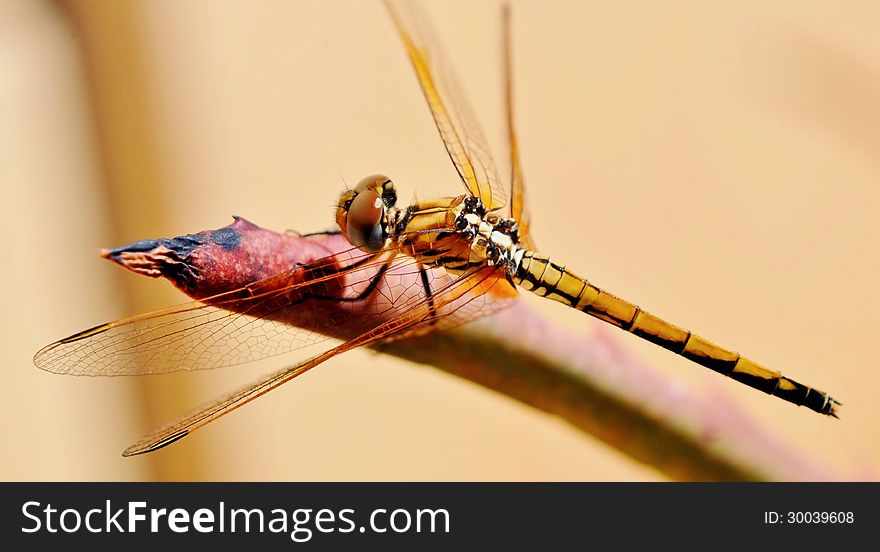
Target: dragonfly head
362	213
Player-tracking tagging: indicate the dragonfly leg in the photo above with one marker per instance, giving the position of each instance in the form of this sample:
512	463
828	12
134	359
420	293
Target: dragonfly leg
426	284
318	233
371	287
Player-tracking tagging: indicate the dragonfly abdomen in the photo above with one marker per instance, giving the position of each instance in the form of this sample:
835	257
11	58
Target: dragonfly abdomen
543	277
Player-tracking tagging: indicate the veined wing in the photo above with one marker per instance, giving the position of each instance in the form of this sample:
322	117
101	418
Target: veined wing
518	209
446	303
339	296
458	128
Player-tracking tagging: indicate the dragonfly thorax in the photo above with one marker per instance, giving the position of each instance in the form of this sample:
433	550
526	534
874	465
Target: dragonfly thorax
454	232
492	237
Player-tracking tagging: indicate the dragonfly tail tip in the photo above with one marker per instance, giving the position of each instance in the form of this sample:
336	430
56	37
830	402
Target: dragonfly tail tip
833	408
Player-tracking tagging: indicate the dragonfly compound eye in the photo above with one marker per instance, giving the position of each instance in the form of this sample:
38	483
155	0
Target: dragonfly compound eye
365	223
361	212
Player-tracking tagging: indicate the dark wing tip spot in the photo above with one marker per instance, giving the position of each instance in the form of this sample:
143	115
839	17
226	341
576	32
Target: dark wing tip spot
139	448
100	328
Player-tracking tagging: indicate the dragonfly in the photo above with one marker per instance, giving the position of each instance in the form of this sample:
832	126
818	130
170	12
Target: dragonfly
407	271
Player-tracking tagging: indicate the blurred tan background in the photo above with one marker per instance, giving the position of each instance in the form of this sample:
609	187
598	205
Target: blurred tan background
716	162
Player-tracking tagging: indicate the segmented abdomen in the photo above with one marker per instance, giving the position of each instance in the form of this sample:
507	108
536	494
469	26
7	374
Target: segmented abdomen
540	275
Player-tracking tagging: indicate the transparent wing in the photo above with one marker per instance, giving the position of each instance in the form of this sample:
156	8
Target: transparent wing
458	128
518	208
446	303
486	297
339	296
